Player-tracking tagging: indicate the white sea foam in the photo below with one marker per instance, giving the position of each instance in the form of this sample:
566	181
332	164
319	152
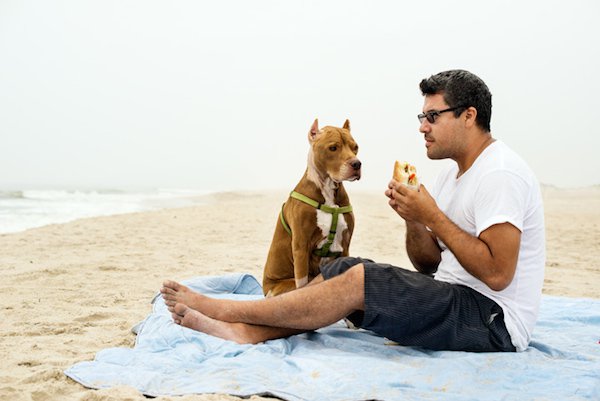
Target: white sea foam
20	210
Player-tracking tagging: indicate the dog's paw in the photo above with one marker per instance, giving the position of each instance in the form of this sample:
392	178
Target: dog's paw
350	325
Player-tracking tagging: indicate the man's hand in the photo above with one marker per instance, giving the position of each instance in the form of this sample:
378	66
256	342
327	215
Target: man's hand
413	206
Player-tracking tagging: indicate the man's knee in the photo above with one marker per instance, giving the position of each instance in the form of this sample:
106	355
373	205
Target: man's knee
356	275
353	283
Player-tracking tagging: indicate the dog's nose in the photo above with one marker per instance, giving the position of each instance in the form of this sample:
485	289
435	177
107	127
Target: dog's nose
356	164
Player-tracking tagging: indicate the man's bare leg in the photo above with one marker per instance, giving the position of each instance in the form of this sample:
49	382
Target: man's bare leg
241	333
174	293
307	308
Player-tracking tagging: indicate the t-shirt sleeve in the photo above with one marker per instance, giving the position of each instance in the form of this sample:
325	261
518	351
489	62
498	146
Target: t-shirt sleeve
501	197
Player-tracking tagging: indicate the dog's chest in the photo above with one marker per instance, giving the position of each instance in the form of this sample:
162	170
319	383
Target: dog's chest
324	224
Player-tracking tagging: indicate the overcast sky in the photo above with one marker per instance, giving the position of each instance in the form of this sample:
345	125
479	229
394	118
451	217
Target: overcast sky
220	95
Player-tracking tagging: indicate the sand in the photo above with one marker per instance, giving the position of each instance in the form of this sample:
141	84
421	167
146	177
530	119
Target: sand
71	290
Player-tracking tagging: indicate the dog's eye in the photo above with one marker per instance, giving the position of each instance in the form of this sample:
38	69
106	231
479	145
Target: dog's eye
333	148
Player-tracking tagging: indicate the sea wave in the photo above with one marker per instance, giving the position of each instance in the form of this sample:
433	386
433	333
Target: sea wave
11	194
23	209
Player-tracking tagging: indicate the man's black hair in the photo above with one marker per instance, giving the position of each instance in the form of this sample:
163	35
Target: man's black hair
464	89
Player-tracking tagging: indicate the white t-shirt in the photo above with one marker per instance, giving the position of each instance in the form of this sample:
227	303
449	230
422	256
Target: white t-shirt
498	188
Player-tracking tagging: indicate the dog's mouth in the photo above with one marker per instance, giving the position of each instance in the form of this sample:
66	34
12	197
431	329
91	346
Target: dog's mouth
350	171
355	177
355	170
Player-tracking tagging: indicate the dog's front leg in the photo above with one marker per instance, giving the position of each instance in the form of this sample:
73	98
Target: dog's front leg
301	251
346	235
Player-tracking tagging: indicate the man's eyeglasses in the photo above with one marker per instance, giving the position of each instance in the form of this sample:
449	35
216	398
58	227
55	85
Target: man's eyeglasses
433	114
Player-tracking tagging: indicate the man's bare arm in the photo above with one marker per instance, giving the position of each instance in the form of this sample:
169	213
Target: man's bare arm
421	244
422	248
491	257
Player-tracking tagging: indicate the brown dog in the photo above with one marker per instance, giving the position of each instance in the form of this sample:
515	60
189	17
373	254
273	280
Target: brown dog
316	223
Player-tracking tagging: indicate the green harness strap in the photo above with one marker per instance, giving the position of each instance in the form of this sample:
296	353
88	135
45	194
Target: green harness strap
334	211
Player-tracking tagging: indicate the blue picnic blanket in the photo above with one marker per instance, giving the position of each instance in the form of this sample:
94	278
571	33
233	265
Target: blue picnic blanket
336	363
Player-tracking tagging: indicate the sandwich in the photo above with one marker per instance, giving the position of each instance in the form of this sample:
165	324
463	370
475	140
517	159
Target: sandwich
406	174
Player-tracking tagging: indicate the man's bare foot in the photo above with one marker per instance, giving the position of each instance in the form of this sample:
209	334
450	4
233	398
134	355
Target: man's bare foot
174	293
192	319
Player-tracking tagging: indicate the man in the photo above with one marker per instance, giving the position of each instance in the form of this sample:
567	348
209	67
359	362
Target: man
481	236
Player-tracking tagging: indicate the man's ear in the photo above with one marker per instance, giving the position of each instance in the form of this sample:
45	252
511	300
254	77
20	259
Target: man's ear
347	125
314	131
470	116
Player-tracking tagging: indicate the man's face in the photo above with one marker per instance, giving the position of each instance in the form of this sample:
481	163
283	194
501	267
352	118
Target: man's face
443	137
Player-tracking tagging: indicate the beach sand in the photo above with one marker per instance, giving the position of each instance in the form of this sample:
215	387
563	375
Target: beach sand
71	290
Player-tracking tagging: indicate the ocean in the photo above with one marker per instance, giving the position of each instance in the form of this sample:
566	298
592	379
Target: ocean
21	210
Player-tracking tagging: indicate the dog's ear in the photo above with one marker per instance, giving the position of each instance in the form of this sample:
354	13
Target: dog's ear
314	130
347	125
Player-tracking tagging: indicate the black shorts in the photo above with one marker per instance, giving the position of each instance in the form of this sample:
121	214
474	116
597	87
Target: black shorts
413	309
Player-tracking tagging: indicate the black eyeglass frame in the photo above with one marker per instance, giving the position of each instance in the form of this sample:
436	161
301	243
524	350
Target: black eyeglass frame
433	114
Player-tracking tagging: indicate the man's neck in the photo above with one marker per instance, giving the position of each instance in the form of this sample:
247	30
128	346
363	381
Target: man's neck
474	149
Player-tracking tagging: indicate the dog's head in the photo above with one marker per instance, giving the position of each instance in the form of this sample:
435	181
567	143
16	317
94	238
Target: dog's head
333	152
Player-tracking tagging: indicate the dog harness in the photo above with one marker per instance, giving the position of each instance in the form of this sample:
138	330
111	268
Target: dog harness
333	210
